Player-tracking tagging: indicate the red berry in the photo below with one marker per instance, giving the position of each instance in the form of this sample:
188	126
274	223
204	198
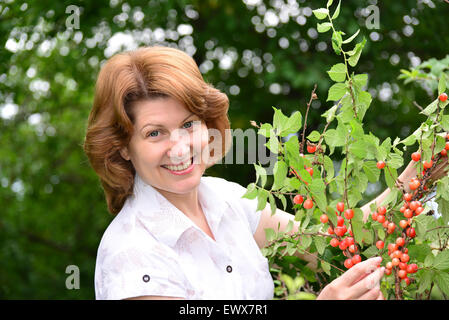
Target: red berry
406	280
408	213
390	228
380	164
411	232
416	156
402	274
298	199
443	97
374	215
400	242
408	197
414	184
311	148
443	152
352	248
349	214
414	205
387	272
343	245
340	206
310	171
403	224
380	244
382	210
356	259
340	231
380	218
405	258
308	204
330	230
348	263
340	221
324	218
427	164
412	268
335	242
419	210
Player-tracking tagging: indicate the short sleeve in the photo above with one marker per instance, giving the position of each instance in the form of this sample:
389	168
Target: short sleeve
135	272
249	206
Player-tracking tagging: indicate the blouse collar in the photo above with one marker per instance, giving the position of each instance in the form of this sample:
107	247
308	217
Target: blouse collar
166	222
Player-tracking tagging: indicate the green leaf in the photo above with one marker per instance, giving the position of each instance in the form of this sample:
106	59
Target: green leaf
330	113
337	41
272	203
336	92
279	120
337	11
420	252
251	192
430	108
390	176
293	124
441	261
280	173
371	171
320	13
351	37
445	122
370	252
314	136
329	167
323	27
320	244
338	72
442	280
442	84
283	200
262	199
270	234
318	190
273	144
356	53
425	280
358	149
265	130
326	267
395	161
329	3
262	173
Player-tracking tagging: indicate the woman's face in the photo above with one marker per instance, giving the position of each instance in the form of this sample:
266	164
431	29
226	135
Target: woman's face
167	134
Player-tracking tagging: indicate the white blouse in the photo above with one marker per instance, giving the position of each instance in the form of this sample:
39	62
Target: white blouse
152	248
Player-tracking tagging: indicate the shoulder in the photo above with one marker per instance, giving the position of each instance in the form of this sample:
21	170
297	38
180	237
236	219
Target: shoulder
224	186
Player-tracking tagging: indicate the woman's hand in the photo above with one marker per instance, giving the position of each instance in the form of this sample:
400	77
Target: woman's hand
361	282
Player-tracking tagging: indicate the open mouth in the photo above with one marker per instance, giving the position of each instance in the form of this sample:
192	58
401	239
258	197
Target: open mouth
180	167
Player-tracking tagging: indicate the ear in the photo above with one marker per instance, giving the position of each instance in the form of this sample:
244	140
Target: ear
125	153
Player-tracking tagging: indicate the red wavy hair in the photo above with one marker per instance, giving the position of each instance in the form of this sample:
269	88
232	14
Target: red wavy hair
145	73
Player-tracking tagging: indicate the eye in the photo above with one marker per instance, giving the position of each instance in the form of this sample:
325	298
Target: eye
152	135
189	122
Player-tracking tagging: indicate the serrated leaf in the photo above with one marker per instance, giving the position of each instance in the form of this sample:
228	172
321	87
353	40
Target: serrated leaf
326	267
337	11
336	92
323	27
338	72
442	84
442	280
358	149
356	53
370	252
329	3
371	171
314	136
351	37
390	176
280	173
270	234
320	244
330	113
262	174
292	125
425	281
262	197
337	41
265	130
321	13
441	261
251	192
430	108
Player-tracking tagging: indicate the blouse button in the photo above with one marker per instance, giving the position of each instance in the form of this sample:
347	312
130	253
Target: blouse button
229	269
146	278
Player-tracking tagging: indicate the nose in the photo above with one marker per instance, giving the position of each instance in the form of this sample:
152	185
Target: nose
180	146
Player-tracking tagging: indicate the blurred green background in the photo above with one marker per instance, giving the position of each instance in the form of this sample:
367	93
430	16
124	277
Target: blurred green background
261	53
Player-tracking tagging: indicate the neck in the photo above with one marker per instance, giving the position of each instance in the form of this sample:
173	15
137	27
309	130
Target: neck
187	203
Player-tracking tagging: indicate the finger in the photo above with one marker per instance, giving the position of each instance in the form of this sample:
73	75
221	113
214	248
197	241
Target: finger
360	270
368	283
381	296
372	294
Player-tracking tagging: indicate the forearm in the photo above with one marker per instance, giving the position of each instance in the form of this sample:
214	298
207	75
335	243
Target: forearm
378	200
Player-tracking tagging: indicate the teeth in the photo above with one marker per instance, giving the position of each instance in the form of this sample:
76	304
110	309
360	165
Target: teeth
179	168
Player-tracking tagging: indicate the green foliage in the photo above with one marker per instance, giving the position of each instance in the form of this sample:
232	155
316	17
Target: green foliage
344	133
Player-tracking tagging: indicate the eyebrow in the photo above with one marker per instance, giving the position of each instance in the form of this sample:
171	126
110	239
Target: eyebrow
161	126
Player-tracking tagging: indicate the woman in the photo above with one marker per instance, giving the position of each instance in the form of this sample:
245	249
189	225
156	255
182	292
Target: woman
178	234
